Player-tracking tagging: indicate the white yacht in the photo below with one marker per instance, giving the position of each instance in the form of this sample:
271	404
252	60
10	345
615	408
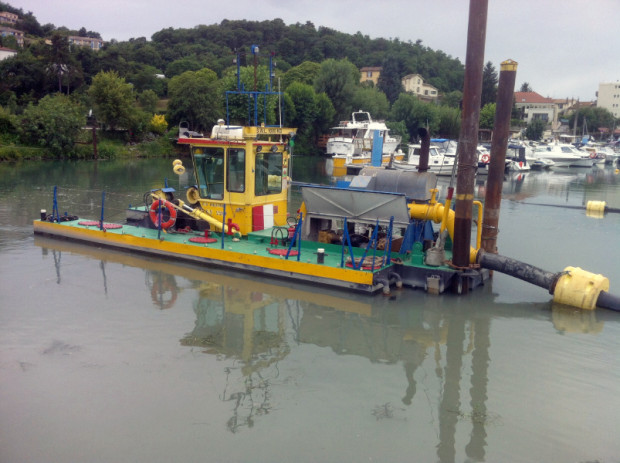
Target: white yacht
563	155
439	162
351	141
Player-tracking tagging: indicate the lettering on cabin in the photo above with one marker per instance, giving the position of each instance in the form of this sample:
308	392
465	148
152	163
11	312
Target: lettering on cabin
269	130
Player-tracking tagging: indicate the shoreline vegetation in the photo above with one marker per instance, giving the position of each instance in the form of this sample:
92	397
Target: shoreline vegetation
106	149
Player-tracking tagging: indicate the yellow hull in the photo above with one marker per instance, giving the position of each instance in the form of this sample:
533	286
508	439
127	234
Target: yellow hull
341	161
241	255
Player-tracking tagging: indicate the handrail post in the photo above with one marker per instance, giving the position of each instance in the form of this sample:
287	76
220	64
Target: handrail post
102	210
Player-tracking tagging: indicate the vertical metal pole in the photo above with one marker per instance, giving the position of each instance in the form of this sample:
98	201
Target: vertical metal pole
301	223
468	139
55	213
102	210
238	71
160	204
223	223
95	154
501	131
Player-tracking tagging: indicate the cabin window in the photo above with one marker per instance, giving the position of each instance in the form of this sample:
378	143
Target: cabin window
210	171
235	179
268	171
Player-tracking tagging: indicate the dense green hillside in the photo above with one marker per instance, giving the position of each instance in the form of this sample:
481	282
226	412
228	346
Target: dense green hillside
309	62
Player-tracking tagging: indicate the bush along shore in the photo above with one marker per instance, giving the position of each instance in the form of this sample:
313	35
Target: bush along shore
108	146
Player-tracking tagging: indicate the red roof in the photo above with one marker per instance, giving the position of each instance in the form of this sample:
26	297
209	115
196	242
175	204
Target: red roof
531	97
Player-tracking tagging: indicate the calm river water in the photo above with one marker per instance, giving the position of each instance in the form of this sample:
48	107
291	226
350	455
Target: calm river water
112	357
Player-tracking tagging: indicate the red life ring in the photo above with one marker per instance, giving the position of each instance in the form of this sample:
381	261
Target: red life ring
485	158
282	251
154	213
592	155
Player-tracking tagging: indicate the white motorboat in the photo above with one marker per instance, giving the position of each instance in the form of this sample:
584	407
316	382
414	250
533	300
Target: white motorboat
439	162
520	157
563	155
351	142
604	154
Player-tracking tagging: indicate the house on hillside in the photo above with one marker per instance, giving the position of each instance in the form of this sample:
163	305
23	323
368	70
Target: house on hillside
6	53
8	18
89	42
414	83
370	74
8	31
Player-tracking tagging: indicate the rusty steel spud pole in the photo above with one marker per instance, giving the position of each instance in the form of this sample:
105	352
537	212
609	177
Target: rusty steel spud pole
468	138
499	144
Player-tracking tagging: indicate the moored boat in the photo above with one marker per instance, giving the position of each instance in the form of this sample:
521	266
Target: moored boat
563	155
351	142
440	163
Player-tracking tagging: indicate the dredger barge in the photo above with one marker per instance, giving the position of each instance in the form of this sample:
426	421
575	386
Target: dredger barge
385	229
367	237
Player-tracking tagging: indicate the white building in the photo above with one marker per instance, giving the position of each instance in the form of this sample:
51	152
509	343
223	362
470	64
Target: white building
414	83
609	97
6	53
535	106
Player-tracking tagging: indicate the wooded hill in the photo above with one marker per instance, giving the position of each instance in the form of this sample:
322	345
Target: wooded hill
173	51
319	69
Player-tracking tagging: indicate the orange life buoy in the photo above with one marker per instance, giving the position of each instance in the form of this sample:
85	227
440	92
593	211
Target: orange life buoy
485	158
154	214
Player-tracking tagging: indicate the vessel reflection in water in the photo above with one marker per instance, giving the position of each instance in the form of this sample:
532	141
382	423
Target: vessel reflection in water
259	329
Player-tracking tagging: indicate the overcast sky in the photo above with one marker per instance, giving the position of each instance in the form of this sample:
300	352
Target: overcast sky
564	48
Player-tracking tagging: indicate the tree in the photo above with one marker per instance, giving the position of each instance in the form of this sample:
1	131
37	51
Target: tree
372	100
487	116
415	114
589	119
489	85
311	114
390	78
525	87
195	98
535	129
54	123
181	65
338	79
113	100
305	73
145	78
148	101
23	75
452	99
325	113
449	122
59	60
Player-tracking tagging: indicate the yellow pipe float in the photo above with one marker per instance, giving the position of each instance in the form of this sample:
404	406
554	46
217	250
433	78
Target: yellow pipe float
439	213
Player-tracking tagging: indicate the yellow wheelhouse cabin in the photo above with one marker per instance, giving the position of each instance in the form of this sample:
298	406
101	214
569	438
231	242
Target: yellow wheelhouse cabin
242	175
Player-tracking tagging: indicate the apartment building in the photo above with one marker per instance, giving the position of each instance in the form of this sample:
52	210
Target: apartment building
608	97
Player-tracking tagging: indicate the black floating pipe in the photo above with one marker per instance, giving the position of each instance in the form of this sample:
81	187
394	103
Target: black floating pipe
537	276
608	301
517	269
